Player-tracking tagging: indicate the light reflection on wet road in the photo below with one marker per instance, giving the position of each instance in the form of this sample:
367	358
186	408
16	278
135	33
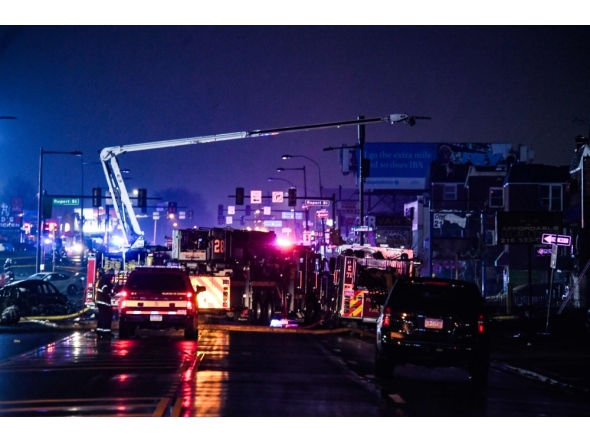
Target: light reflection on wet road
251	373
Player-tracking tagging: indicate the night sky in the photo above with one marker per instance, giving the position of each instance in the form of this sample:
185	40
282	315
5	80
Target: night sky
89	87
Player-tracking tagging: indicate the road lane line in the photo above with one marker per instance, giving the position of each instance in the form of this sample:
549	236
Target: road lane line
397	398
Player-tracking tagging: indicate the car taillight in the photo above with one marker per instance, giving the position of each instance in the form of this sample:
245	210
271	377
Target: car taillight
481	324
122	298
386	317
189	298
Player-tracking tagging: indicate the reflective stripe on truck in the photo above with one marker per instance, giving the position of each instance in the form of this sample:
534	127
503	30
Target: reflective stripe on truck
216	294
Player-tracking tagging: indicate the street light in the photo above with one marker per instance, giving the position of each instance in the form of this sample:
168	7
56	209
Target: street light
291	156
270	179
40	207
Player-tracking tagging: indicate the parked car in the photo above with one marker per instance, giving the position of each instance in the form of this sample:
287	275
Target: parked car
64	282
6	246
435	323
32	297
158	298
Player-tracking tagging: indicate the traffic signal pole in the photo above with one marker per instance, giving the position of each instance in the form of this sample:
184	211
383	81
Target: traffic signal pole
361	144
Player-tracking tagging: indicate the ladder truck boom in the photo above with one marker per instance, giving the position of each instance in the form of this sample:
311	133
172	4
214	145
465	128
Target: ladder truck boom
118	191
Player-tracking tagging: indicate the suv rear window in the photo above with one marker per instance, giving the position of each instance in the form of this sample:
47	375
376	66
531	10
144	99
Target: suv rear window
444	298
156	282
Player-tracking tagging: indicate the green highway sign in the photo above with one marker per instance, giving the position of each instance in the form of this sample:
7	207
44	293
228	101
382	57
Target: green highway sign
66	201
317	203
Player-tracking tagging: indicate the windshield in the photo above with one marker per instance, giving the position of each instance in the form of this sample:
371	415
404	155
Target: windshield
416	296
158	282
37	276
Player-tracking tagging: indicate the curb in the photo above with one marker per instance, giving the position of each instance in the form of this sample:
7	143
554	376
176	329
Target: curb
503	366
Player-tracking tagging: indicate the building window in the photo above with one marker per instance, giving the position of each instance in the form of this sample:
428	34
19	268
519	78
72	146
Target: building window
496	197
450	192
550	197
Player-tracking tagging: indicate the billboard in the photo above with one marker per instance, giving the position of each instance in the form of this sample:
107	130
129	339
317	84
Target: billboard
405	166
527	227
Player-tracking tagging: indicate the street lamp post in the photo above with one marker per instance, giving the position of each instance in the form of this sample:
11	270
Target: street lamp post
82	200
291	156
270	179
40	206
304	190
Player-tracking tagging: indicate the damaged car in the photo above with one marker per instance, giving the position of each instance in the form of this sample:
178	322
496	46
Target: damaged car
32	297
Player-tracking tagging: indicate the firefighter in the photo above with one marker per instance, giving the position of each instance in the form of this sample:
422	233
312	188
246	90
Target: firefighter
104	291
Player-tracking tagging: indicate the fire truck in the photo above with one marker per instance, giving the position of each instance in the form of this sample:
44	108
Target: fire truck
256	295
247	276
363	276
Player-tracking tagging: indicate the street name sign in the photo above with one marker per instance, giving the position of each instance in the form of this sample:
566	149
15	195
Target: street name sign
362	228
317	203
556	239
66	201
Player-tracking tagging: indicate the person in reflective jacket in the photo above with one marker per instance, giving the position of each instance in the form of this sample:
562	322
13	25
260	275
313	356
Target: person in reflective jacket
104	291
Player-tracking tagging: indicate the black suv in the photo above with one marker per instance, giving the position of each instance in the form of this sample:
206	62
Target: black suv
434	323
158	298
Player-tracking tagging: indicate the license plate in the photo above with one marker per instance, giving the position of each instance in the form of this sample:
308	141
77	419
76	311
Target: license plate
433	323
155	317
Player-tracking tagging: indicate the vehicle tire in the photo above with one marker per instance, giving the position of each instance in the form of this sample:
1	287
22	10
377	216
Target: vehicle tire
258	312
312	310
191	329
72	289
125	330
384	367
268	312
10	315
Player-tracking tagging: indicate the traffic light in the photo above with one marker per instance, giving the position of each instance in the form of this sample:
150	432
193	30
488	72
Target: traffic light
47	207
96	197
172	208
190	214
142	199
240	196
242	220
248	210
50	227
292	197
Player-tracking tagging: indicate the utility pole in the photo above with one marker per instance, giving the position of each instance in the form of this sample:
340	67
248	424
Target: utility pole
361	145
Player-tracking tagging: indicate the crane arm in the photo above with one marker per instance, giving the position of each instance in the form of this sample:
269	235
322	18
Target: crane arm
120	197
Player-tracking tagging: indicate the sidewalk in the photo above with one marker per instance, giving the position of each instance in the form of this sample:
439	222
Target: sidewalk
560	357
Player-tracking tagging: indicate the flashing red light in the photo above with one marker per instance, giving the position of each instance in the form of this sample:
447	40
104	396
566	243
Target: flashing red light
284	243
123	298
189	305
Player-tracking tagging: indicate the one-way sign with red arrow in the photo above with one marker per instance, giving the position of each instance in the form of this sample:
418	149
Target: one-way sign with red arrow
556	239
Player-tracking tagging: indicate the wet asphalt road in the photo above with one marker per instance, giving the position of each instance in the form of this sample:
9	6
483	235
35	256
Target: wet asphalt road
230	373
